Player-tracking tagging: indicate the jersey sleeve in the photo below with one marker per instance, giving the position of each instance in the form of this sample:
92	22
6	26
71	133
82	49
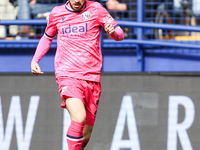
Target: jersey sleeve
51	29
105	18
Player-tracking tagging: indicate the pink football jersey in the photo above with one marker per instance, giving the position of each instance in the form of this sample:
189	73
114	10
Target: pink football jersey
78	51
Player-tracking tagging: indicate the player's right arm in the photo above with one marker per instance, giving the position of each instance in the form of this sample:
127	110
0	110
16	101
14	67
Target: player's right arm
35	68
43	45
42	48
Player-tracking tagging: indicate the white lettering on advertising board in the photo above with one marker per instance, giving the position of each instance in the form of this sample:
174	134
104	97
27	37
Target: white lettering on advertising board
15	118
176	129
126	111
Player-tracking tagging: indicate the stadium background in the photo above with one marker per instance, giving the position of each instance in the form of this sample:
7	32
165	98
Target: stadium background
155	67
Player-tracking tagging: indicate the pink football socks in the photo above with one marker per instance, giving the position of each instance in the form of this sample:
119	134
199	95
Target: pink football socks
75	135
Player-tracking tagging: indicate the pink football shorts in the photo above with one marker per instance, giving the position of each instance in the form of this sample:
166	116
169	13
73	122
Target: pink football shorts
87	91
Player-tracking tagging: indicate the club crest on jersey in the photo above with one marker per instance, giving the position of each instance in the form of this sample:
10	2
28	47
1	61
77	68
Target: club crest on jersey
86	16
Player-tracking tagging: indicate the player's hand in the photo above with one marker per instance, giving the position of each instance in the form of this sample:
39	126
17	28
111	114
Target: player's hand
109	28
35	68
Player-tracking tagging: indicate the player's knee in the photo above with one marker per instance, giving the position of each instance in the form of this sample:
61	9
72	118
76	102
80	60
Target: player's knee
80	118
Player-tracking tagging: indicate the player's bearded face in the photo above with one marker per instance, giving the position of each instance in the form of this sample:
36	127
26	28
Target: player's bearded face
77	4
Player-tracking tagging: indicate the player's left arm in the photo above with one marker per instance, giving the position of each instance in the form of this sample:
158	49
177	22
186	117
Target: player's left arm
109	24
116	33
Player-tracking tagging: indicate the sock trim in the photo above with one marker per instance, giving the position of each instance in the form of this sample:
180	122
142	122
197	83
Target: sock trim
73	138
